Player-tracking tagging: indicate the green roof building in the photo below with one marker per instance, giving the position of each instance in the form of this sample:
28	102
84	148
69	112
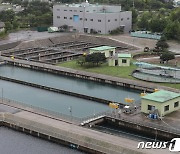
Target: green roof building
108	50
164	101
124	59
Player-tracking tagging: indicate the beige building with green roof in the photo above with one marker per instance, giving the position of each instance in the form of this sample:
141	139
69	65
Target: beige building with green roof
124	59
164	101
108	50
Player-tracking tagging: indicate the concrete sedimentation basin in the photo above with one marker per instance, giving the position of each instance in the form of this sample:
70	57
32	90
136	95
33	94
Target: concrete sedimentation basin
77	137
139	85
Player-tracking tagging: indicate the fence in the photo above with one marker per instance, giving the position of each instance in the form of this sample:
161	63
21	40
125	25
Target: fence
48	113
78	121
144	34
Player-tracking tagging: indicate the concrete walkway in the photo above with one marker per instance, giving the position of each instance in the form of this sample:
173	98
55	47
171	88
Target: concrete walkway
124	143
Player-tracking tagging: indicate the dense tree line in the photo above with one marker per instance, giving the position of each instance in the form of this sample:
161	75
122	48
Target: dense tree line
35	14
163	21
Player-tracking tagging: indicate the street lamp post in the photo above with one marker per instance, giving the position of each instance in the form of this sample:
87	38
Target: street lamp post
2	95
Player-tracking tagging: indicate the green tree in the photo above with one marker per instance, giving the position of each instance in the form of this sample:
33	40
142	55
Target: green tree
8	26
81	60
175	15
15	24
167	56
158	24
134	15
143	22
95	58
172	30
161	44
7	15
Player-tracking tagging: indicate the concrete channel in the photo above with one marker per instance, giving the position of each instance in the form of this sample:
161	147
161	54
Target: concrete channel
139	85
100	100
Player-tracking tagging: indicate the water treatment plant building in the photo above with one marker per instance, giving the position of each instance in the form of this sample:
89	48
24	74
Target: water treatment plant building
164	101
89	18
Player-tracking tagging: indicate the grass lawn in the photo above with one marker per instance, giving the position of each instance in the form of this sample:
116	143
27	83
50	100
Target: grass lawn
123	72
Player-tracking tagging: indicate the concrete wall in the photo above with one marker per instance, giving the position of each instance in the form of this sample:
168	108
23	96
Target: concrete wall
111	62
160	106
68	137
123	64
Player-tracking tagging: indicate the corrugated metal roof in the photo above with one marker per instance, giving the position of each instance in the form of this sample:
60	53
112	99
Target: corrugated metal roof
101	48
161	96
122	55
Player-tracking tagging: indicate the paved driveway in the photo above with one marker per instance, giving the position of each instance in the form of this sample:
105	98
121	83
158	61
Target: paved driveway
141	42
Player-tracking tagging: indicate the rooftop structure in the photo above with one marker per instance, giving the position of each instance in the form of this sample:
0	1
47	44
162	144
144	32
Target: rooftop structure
121	55
161	96
107	50
90	18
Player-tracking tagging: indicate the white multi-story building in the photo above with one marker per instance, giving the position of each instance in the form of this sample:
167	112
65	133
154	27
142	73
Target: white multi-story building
87	17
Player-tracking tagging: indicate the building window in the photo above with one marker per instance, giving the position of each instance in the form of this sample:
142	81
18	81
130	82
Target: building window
166	108
58	9
70	18
176	104
115	19
94	10
99	20
99	31
109	20
58	17
127	18
91	19
151	107
75	10
65	10
124	61
70	10
80	11
80	19
85	19
121	19
75	18
65	17
87	11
